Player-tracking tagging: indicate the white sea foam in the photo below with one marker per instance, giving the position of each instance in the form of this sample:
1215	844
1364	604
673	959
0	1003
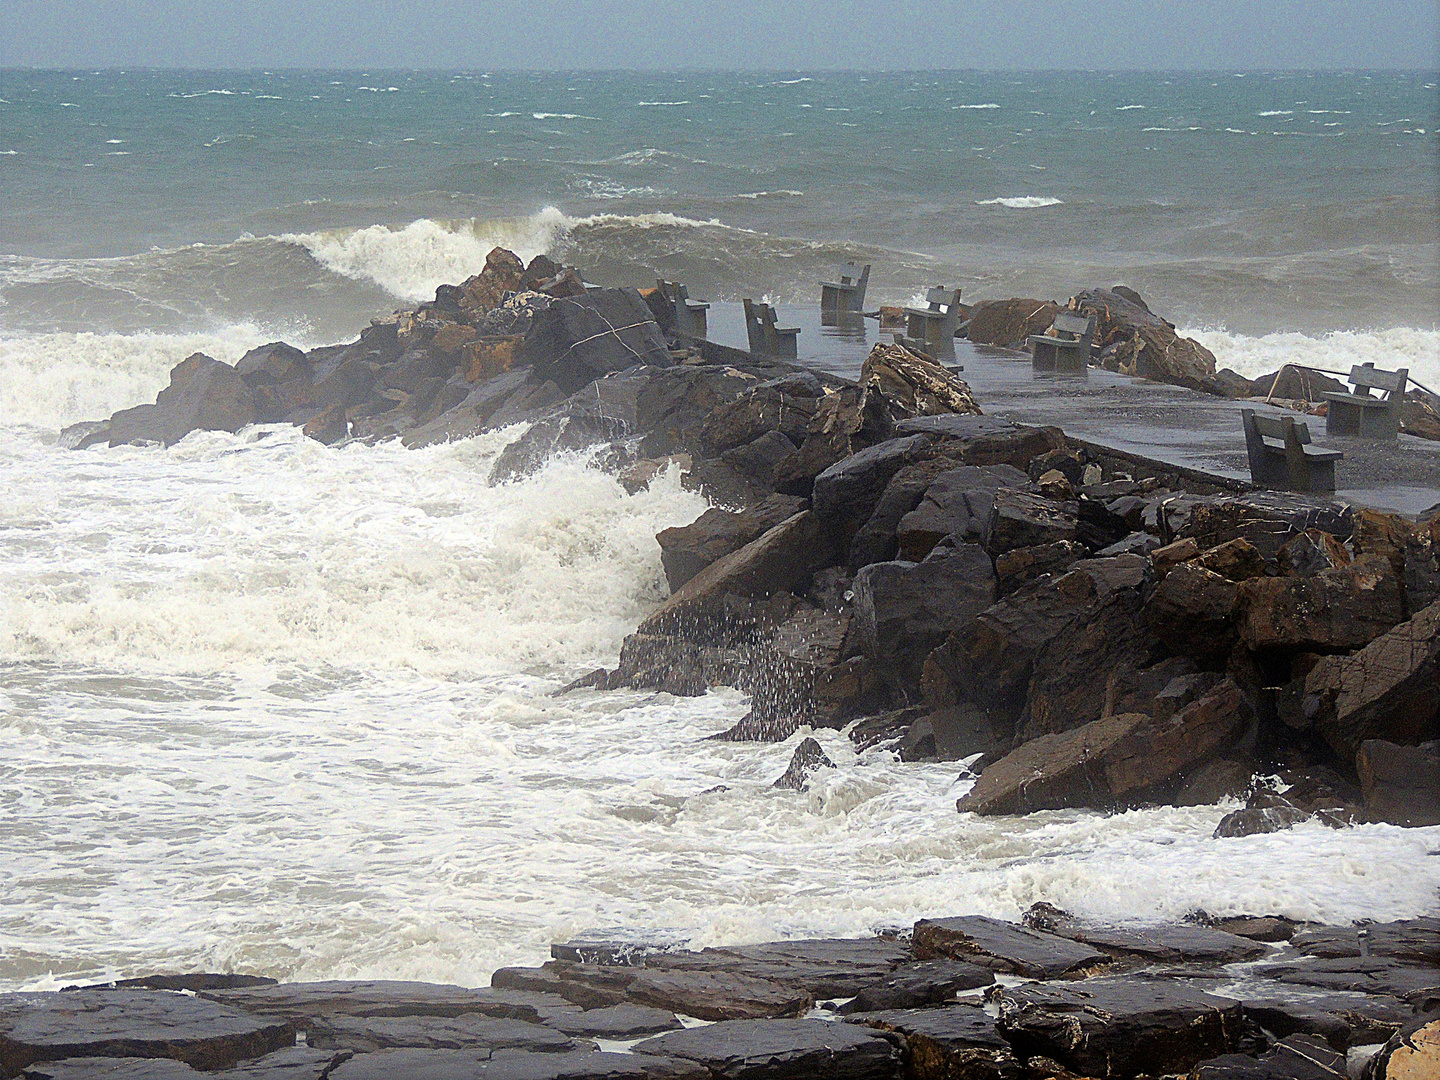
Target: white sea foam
411	260
1022	202
50	380
1407	347
280	708
986	105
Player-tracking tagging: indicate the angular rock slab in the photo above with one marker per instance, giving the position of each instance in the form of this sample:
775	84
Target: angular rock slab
1419	984
1171	944
616	1022
308	1002
102	1068
914	986
1412	940
1384	691
740	1049
1299	1057
1119	1026
1342	1018
823	967
132	1023
368	1033
1004	946
1411	1054
512	1065
958	1042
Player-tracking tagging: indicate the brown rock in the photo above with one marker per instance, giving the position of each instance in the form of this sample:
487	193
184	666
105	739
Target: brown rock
1173	554
1158	752
845	422
1010	322
1401	783
203	395
486	357
503	272
1020	519
688	549
1053	772
1015	568
780	559
1191	611
329	426
1312	551
914	384
1238	560
1335	609
1385	690
1138	342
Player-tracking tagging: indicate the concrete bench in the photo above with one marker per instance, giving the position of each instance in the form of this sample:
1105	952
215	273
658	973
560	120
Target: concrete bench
931	329
847	293
766	339
1281	456
1363	415
1067	347
690	317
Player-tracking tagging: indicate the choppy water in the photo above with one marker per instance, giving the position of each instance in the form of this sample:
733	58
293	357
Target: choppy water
275	707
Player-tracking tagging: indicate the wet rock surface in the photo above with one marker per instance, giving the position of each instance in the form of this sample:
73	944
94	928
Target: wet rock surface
944	1000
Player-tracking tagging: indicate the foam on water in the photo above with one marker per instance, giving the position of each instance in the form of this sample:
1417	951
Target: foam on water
1407	347
50	380
280	708
410	261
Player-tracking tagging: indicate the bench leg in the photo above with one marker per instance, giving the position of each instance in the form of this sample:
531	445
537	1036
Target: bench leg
1342	419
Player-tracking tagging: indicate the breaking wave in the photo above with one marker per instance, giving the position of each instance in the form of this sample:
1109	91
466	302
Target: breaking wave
1022	202
1399	347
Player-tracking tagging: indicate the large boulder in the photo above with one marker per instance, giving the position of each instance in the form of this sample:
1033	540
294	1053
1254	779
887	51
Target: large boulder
958	1041
766	408
687	549
848	491
1005	947
203	395
958	503
577	339
875	541
903	610
1023	519
845	422
1053	772
1401	783
1384	691
781	559
1010	322
1339	608
1192	611
276	362
1267	519
1161	751
915	385
1120	1026
1136	341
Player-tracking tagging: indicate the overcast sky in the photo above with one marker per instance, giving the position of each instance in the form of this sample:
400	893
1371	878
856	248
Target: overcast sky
726	34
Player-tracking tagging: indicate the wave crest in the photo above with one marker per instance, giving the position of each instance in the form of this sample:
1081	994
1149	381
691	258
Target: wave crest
1403	346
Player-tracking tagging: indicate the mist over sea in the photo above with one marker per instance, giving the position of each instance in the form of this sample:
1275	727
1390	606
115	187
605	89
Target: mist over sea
280	708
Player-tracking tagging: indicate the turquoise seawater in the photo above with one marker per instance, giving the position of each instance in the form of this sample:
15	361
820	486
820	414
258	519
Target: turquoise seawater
1255	203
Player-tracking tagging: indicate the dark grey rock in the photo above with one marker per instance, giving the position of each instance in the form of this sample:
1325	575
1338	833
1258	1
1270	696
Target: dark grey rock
1120	1026
1415	983
1171	944
616	1022
511	1065
1411	940
903	610
782	1048
367	1033
109	1068
276	362
758	459
1299	1057
577	339
850	489
306	1002
132	1023
1004	947
958	503
1342	1018
958	1042
823	968
806	761
686	550
917	985
1401	783
876	540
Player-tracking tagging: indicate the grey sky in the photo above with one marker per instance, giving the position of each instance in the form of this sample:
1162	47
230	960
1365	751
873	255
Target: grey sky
744	34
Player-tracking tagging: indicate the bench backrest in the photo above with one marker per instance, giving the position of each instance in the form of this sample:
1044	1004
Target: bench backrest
1367	377
762	313
1273	427
852	274
1070	322
942	299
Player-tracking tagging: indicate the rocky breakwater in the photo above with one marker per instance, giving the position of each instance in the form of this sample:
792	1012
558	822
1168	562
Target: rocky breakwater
953	998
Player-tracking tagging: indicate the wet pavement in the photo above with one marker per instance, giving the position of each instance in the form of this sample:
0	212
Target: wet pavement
1168	423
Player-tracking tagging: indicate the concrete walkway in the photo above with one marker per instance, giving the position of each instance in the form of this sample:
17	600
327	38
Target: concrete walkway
1169	423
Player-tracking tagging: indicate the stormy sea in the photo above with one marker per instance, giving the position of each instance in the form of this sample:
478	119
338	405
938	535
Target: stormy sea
272	706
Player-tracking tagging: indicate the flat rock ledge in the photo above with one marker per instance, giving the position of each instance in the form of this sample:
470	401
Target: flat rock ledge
1055	997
